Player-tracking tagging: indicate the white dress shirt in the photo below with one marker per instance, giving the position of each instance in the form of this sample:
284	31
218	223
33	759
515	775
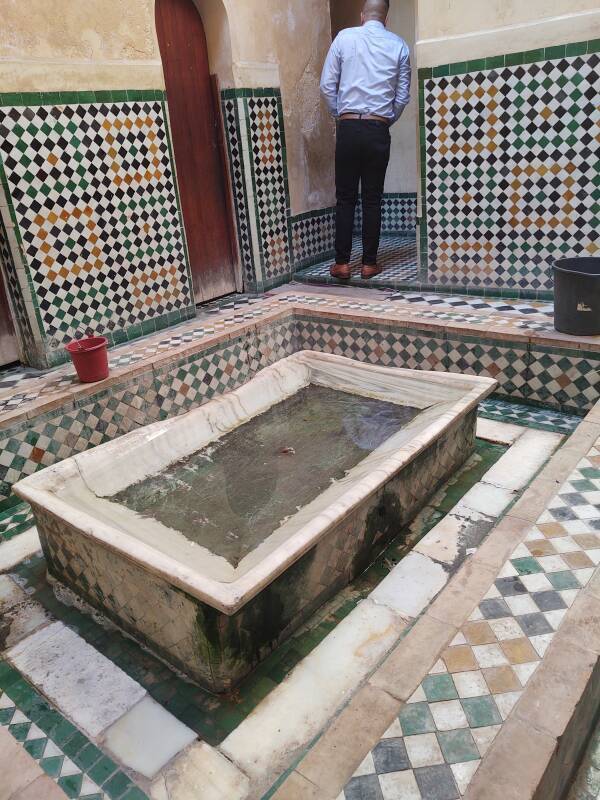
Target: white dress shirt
367	71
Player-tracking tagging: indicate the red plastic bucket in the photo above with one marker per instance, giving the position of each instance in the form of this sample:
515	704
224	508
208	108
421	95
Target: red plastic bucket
90	357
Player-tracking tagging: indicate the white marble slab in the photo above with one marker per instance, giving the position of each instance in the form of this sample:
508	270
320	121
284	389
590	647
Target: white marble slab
147	737
298	708
83	684
517	467
499	432
411	585
23	546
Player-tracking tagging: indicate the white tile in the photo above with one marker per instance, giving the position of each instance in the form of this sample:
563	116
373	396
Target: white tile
458	639
525	671
535	535
520	552
569	595
22	620
489	655
82	683
463	773
508	571
564	544
507	628
438	668
541	643
366	766
583	575
423	750
399	786
594	555
519	464
24	545
499	432
485	736
506	702
418	696
448	715
485	499
537	582
555	617
411	585
394	731
552	563
147	737
476	615
521	604
470	684
491	593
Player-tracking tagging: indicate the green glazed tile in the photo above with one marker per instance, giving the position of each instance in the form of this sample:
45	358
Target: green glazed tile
563	580
576	49
439	687
458	746
526	565
71	784
481	711
416	718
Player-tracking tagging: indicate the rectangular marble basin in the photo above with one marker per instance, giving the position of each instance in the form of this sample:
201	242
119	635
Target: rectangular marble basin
211	536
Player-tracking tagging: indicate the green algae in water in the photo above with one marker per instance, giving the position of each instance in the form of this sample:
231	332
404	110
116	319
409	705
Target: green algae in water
230	496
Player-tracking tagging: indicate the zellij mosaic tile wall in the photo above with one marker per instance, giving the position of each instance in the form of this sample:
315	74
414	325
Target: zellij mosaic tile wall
91	190
509	164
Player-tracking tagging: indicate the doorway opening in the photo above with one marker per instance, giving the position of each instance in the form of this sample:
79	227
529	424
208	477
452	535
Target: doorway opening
197	131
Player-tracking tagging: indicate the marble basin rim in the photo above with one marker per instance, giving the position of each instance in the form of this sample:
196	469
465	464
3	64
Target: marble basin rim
78	489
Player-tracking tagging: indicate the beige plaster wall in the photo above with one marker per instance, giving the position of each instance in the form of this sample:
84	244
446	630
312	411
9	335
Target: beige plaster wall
456	30
54	45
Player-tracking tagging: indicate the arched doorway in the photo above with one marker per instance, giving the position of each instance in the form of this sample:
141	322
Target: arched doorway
197	143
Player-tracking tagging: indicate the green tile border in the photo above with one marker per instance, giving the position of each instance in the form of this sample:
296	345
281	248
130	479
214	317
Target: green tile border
512	59
87	96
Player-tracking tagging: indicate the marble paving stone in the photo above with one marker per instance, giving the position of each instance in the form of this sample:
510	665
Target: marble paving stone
88	687
485	499
147	737
10	593
411	585
399	785
423	750
16	550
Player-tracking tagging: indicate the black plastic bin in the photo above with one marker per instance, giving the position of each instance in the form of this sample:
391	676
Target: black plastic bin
577	296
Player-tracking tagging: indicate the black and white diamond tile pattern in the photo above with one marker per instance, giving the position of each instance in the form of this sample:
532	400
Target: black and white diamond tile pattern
238	181
475	303
312	237
510	163
93	192
266	145
397	255
398	213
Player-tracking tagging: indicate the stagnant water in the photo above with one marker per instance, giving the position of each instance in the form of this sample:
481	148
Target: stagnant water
230	496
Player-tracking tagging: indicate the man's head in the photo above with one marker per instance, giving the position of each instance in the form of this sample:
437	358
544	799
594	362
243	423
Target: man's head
375	9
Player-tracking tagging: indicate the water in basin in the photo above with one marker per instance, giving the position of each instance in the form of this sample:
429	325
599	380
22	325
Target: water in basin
230	496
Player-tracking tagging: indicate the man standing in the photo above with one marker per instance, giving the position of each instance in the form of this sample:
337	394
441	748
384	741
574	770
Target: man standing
366	83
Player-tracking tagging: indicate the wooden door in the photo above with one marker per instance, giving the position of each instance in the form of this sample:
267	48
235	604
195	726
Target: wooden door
8	339
195	127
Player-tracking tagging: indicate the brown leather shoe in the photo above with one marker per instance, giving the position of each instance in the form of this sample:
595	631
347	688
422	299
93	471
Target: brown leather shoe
369	271
340	271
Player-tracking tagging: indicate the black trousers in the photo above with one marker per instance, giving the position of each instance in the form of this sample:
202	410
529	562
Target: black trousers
362	156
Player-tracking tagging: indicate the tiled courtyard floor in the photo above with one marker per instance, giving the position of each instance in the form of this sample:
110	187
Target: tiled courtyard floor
471	690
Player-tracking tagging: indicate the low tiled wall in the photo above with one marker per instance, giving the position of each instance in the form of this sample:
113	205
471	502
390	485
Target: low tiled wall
560	378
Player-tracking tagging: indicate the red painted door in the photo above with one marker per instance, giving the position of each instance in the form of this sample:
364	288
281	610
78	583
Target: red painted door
195	128
8	340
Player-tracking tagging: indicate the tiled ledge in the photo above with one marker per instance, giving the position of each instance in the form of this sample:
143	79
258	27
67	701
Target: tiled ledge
41	395
542	711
